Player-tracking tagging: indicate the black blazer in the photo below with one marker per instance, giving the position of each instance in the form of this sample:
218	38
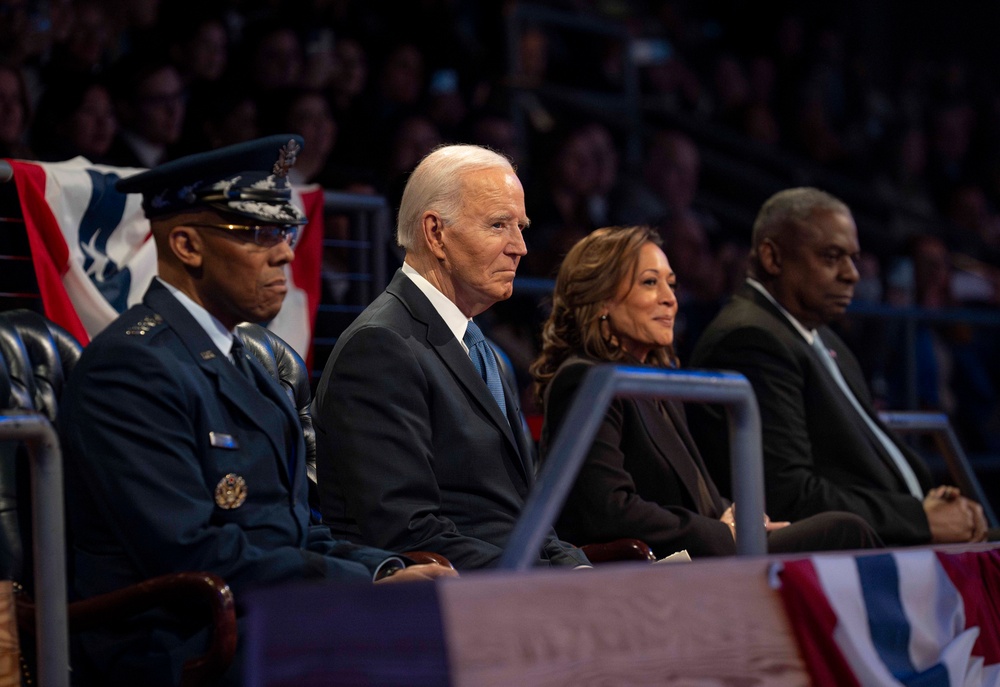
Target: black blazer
412	450
640	478
818	454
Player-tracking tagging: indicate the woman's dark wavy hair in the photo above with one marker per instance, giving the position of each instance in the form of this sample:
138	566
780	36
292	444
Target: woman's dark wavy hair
590	276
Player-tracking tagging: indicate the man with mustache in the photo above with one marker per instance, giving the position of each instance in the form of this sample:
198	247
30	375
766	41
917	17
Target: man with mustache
183	453
824	446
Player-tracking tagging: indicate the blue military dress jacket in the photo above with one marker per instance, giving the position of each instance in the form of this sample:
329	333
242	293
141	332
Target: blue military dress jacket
176	461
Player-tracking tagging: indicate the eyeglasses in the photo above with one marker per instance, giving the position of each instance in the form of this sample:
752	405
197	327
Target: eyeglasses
266	235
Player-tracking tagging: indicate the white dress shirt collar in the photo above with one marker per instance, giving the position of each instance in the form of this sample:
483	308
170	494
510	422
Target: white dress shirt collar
453	317
807	334
220	336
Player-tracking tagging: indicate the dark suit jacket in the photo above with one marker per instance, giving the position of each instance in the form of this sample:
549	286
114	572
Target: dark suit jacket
640	478
412	451
818	453
137	416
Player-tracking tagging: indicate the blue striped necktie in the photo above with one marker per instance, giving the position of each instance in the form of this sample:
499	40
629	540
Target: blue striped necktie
486	363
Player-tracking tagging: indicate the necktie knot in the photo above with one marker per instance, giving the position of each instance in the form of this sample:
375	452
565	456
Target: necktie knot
485	362
473	335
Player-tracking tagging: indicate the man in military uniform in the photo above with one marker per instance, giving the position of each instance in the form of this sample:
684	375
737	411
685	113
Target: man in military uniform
182	452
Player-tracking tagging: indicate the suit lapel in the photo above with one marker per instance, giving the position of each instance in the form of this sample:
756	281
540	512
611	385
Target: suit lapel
453	355
676	452
675	410
852	376
231	386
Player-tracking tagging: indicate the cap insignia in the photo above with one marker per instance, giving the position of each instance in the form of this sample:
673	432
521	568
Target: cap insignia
286	158
144	325
187	195
231	492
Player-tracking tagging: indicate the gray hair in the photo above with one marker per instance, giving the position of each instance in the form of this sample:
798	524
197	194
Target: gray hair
436	184
786	212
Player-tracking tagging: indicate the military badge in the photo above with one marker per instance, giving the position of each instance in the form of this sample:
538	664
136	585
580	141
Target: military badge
286	158
231	492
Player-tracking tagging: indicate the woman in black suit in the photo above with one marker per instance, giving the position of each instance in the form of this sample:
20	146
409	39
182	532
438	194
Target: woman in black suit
614	301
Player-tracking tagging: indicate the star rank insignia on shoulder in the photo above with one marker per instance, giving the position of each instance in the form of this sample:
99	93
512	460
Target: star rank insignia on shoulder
143	326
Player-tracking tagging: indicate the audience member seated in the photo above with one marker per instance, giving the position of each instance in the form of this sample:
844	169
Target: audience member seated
669	184
419	438
182	452
84	34
75	118
150	102
410	140
15	110
560	200
272	49
824	445
703	283
953	359
614	302
225	116
306	112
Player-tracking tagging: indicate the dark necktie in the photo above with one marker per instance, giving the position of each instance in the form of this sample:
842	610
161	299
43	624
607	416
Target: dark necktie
486	363
240	361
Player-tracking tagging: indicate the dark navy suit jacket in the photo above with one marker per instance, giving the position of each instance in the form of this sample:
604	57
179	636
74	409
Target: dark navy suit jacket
412	451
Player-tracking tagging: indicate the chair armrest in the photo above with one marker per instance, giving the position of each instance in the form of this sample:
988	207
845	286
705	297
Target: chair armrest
166	591
423	557
619	550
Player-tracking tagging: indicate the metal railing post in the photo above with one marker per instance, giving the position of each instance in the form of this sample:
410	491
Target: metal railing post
48	532
599	387
939	426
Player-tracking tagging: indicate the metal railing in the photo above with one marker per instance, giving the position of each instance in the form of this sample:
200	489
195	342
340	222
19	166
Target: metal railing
49	536
939	427
909	319
600	386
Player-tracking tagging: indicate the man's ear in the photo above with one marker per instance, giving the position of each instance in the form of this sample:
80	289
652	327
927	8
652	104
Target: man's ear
186	243
769	256
433	228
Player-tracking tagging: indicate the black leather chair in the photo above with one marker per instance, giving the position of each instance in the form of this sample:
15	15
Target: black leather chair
288	368
37	357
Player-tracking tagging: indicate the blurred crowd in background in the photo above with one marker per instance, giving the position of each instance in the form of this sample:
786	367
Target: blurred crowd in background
901	98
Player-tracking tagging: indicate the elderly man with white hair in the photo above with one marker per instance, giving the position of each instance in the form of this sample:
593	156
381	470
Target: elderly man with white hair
419	440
